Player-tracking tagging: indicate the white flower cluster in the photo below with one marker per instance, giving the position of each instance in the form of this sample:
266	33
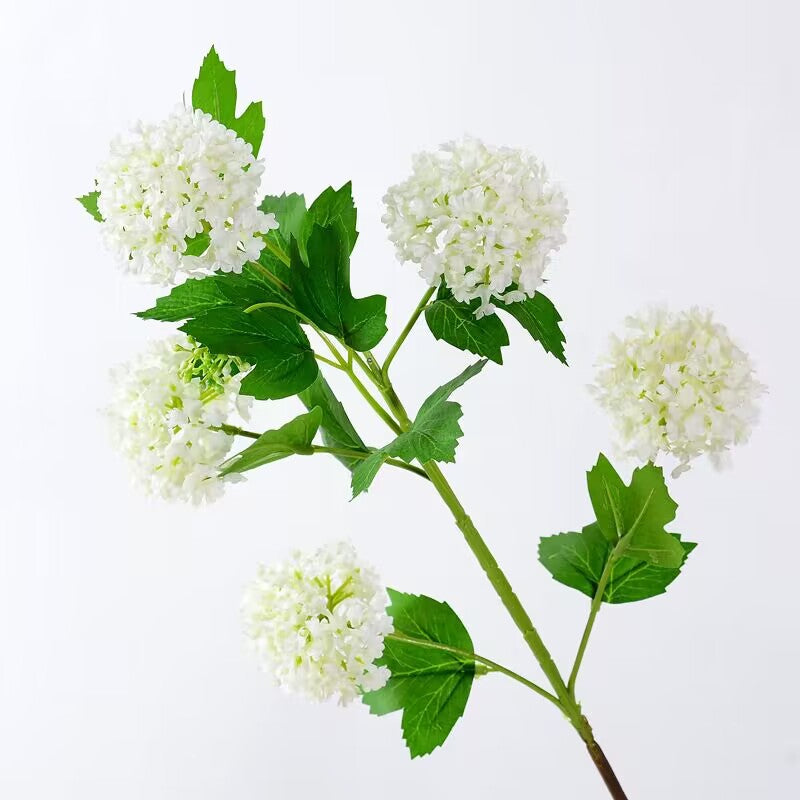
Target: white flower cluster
166	407
483	218
164	184
677	384
317	623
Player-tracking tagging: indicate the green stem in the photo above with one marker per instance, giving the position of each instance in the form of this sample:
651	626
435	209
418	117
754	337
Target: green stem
273	279
597	602
276	251
234	431
327	361
404	333
359	454
493	666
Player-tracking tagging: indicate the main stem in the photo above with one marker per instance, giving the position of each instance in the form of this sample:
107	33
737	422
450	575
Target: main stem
503	587
525	624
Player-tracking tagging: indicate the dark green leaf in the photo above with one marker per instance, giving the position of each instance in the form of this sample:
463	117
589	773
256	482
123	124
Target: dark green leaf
214	92
539	317
433	436
89	202
337	430
430	686
456	324
633	580
321	290
294	437
198	295
332	204
269	339
578	560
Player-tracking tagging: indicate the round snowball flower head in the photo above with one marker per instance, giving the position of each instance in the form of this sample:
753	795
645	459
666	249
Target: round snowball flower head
677	384
317	623
484	219
166	413
178	198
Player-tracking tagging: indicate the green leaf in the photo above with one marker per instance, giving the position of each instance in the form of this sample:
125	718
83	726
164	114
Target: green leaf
214	92
332	204
455	323
197	245
198	295
89	202
578	560
430	686
337	430
539	317
433	435
290	211
636	514
321	290
267	338
607	492
365	471
294	437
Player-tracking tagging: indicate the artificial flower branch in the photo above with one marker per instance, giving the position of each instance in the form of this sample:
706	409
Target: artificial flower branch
177	205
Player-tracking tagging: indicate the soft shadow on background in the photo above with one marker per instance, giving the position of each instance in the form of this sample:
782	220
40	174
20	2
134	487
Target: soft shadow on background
675	130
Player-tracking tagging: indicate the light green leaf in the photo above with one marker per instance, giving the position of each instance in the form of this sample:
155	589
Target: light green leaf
456	324
321	290
539	317
269	339
433	436
337	429
636	514
607	492
214	92
430	686
290	212
89	202
197	245
578	560
293	438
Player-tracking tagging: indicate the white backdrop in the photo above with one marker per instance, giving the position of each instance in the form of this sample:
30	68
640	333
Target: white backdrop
676	132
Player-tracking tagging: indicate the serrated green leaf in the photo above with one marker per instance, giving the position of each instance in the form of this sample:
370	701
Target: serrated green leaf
89	202
198	295
577	559
214	92
337	429
430	686
606	491
539	317
293	438
456	324
289	211
633	580
332	204
636	514
321	290
433	435
267	338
